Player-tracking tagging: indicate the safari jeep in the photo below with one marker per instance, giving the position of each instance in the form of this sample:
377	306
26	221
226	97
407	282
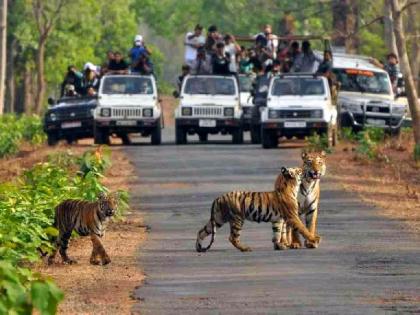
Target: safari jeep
209	104
127	104
298	105
366	98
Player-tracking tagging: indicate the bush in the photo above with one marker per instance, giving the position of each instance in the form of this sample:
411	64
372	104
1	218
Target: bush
26	217
16	129
368	142
318	142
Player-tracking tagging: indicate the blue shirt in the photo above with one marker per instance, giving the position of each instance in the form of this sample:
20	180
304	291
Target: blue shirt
136	52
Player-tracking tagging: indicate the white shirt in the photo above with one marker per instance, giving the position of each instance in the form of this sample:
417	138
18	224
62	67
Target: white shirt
231	49
190	51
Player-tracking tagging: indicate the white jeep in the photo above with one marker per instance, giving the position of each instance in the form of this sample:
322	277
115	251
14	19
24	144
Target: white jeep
365	98
127	104
297	106
209	104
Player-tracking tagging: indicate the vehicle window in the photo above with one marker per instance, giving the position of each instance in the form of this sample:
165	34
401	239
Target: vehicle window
245	83
363	81
298	86
211	86
127	85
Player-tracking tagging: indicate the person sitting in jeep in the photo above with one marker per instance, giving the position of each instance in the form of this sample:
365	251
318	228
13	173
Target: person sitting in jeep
221	60
306	61
74	78
118	64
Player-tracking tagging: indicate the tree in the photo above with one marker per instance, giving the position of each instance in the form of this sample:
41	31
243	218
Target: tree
413	102
345	24
3	51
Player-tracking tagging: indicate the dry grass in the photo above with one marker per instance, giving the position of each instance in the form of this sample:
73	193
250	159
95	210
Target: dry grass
392	184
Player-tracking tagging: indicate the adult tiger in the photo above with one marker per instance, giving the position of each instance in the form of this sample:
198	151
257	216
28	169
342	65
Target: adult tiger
237	206
86	218
308	197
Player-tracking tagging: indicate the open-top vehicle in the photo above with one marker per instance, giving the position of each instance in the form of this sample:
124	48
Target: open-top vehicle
70	118
128	104
209	104
298	105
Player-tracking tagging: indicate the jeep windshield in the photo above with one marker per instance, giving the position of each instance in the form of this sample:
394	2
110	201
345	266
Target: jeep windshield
127	85
210	86
245	83
355	80
298	86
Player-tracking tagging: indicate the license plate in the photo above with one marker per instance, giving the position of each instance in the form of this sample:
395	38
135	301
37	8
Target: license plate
207	123
376	122
295	124
126	123
71	124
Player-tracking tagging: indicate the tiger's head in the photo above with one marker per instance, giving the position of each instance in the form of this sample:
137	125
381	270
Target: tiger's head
314	164
290	177
108	203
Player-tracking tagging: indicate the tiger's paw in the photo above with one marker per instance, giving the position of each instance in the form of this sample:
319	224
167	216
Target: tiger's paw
94	261
70	262
309	244
106	261
280	246
245	249
295	245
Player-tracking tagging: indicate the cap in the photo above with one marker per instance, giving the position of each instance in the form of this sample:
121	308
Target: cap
89	66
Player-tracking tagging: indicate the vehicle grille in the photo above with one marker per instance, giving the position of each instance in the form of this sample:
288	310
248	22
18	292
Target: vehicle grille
377	109
126	112
207	111
295	113
73	114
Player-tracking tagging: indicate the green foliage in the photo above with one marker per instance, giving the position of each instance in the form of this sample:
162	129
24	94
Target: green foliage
15	129
416	153
26	217
22	292
318	142
348	134
368	141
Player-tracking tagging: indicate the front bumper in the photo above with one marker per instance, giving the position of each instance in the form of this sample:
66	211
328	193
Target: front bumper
367	119
310	128
224	125
85	130
127	125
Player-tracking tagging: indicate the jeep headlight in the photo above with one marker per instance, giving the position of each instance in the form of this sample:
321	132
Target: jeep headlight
53	117
105	112
186	111
147	112
352	107
316	113
273	114
228	111
398	110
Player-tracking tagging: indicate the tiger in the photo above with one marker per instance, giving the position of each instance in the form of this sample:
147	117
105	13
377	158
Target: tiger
308	198
237	206
86	218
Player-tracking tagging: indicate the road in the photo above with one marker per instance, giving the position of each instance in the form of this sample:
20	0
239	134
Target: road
366	264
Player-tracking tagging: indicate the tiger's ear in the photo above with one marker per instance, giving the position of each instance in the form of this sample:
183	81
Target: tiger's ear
284	171
323	154
101	195
304	155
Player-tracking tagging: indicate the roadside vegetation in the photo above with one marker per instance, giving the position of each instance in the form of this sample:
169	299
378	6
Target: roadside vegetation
26	217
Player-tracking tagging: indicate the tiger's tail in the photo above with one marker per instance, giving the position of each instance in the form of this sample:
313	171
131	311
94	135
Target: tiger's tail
198	246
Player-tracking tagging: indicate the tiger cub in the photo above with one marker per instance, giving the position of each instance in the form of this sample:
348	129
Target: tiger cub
86	218
237	206
308	198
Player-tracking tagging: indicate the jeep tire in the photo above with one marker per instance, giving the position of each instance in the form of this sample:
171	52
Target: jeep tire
268	139
100	135
156	137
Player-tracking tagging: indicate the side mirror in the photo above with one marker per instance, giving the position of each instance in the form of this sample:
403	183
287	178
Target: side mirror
175	94
51	101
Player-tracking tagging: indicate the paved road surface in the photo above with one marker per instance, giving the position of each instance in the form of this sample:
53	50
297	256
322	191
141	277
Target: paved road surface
365	264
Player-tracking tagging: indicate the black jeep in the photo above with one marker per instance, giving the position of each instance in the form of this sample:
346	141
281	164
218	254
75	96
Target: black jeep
70	118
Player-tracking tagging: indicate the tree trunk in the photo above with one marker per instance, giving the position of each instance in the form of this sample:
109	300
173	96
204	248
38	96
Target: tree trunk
414	30
345	24
40	75
389	35
10	74
412	97
28	91
3	51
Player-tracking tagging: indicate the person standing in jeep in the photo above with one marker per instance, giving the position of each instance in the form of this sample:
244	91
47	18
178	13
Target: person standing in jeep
221	60
193	41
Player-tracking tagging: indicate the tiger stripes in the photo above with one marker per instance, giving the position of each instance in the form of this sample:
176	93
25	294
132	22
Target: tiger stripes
86	218
237	206
308	197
